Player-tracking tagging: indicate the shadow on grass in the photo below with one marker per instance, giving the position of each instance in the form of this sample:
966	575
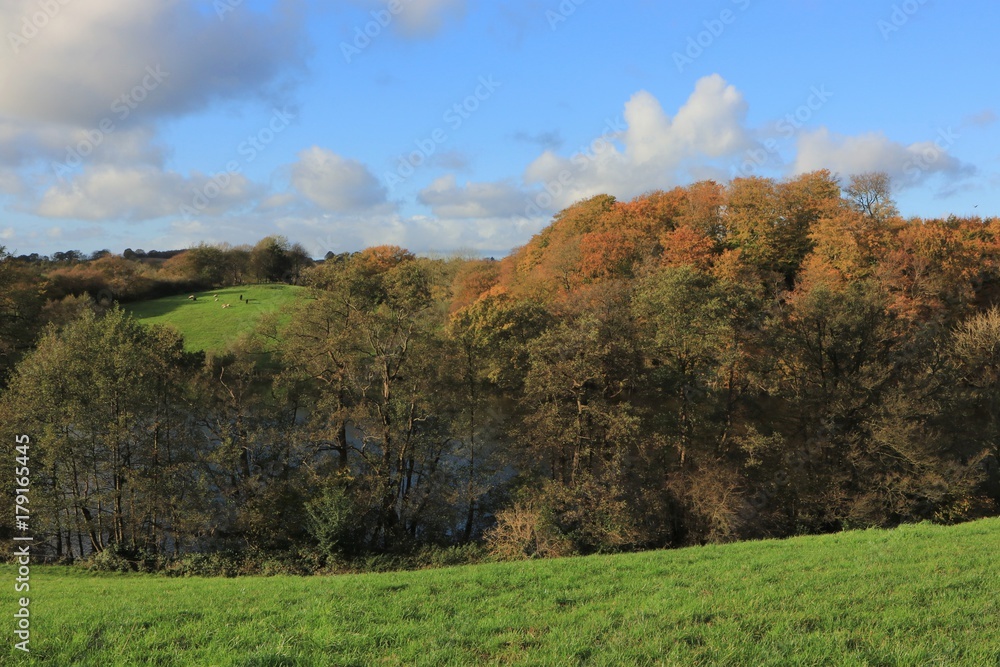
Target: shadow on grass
159	307
231	295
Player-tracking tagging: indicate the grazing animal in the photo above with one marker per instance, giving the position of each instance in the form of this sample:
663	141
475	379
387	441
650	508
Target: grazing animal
227	305
193	298
241	297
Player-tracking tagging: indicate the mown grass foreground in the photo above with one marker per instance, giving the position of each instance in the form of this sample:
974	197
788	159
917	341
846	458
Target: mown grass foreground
205	324
919	595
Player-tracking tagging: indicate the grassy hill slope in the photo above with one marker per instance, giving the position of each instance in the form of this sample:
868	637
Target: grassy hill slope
919	595
205	324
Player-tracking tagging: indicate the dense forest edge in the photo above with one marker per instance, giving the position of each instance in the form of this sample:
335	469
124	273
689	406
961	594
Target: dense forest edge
707	364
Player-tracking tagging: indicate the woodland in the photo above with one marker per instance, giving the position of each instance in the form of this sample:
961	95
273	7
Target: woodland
711	363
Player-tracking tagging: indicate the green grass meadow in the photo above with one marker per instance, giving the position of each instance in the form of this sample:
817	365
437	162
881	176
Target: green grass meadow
918	595
205	324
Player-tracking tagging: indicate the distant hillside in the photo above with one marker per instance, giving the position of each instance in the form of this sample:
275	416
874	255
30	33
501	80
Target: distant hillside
917	595
205	324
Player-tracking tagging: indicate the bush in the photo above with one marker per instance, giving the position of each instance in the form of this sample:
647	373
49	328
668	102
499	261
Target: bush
215	564
459	554
330	521
593	516
122	558
526	531
304	561
562	520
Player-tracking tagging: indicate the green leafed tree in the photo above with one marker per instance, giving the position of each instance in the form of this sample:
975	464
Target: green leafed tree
102	399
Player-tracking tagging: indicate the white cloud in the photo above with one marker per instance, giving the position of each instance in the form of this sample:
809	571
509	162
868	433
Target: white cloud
710	124
335	183
473	200
178	56
60	149
908	165
324	233
83	95
194	229
106	192
649	149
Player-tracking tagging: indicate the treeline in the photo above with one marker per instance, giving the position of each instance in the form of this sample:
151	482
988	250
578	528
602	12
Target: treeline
707	364
37	291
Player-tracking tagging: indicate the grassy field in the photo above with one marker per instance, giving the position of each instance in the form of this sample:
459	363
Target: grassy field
205	324
919	595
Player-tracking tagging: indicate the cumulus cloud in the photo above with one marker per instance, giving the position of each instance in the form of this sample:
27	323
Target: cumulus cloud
491	236
709	124
107	192
908	165
60	149
648	149
332	232
473	200
90	57
335	183
85	89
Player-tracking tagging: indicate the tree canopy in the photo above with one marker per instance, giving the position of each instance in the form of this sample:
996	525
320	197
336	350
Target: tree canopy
709	363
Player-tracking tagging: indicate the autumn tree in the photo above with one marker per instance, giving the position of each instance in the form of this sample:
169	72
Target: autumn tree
21	303
580	427
870	194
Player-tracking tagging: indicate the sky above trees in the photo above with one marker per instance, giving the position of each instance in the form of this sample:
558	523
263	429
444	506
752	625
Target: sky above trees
444	125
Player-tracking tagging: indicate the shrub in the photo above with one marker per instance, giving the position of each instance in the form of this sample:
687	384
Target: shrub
122	558
526	531
214	564
329	520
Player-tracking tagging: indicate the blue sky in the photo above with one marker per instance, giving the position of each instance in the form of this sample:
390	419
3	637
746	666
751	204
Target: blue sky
456	125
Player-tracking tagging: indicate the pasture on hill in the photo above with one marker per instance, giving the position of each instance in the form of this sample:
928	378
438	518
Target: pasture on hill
918	595
205	324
